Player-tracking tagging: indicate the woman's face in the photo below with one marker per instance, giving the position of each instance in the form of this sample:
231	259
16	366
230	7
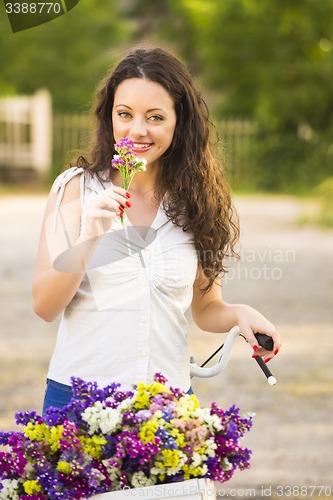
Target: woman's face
144	112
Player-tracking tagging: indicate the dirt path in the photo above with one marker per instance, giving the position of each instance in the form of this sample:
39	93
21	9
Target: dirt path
286	273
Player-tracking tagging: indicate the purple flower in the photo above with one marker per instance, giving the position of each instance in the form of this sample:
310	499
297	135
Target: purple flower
170	444
143	415
232	432
160	378
167	415
54	416
23	418
162	433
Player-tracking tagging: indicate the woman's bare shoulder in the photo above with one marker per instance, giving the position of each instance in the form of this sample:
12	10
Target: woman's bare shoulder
71	192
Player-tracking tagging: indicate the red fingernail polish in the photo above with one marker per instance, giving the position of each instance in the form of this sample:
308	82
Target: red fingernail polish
121	209
255	355
275	352
128	195
255	348
118	215
128	204
266	360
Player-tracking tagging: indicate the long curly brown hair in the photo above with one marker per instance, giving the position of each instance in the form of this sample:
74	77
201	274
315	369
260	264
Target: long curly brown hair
199	198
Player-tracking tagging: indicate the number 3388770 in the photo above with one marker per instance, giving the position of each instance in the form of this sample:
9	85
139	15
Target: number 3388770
33	8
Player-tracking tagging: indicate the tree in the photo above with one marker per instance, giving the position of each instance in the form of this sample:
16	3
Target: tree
270	62
69	55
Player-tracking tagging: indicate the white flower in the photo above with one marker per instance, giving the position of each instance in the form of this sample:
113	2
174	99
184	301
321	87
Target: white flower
99	417
139	164
87	459
204	469
212	421
195	460
157	470
139	480
210	446
227	465
113	472
185	406
9	489
127	404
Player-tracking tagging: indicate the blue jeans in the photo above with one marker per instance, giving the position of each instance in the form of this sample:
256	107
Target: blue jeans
57	395
60	395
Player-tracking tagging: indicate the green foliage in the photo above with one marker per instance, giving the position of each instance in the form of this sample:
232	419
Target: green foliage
325	192
270	62
69	55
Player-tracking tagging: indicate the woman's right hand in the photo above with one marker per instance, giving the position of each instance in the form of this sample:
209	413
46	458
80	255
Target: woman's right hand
103	209
53	288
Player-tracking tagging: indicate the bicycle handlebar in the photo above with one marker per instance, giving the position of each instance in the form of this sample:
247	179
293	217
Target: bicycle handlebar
263	340
198	371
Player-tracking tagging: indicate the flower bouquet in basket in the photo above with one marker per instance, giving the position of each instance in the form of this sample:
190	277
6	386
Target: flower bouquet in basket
111	440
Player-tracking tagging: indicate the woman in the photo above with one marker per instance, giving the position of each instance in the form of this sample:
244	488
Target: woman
123	290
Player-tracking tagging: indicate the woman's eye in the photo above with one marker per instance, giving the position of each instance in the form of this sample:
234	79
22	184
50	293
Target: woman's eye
124	114
156	118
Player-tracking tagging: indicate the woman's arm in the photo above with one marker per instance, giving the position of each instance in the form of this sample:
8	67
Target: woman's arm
212	314
64	255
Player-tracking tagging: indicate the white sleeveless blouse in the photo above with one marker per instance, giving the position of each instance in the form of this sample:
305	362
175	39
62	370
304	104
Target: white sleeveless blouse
127	319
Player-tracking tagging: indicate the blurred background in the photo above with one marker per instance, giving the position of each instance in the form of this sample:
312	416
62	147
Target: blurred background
266	71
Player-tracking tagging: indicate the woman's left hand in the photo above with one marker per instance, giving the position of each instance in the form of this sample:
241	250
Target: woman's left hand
250	321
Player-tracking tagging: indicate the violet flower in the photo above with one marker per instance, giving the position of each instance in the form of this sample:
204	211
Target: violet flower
127	163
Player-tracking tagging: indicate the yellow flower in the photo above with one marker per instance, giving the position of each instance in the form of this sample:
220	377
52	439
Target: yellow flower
179	437
31	487
197	471
141	387
171	458
196	402
147	432
142	398
161	477
42	432
92	445
157	388
37	432
142	402
64	467
55	435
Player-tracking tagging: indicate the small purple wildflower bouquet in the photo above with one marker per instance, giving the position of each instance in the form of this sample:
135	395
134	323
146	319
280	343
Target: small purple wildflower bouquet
127	163
111	440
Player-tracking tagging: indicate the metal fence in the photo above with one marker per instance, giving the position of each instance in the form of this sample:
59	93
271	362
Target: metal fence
71	134
237	137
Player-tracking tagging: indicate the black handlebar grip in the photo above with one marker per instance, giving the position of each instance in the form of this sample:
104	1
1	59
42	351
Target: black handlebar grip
264	341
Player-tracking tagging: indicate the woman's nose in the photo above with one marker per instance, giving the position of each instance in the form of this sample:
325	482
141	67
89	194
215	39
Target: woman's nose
138	128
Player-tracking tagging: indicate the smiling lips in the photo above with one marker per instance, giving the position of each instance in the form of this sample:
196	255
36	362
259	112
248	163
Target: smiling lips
141	147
